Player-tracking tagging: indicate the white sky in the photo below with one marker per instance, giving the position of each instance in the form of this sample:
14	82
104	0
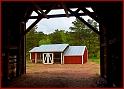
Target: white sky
50	25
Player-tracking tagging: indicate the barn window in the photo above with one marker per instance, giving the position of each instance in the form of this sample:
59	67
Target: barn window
57	55
57	58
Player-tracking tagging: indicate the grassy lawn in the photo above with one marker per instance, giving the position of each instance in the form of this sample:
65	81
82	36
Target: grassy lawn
29	66
89	59
28	60
94	60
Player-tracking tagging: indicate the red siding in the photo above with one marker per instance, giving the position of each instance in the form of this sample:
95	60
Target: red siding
32	56
72	59
85	56
38	55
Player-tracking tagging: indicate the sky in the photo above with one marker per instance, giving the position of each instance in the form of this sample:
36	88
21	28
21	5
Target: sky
48	26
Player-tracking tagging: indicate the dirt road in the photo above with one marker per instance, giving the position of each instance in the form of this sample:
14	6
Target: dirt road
59	76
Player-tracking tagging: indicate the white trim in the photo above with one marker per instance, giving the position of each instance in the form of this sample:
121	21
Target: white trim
43	57
61	58
82	59
35	58
44	61
30	56
87	55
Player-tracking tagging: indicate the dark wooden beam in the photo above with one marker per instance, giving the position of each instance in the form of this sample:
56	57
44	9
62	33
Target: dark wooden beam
96	10
109	59
28	15
88	13
32	25
77	10
82	20
59	15
37	12
35	9
23	14
23	49
65	9
23	17
102	66
40	10
24	52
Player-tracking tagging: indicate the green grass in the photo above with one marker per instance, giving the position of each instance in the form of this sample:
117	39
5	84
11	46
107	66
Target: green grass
97	74
29	66
28	60
97	60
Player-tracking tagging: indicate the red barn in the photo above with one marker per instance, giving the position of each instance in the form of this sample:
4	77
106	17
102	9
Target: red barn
59	54
76	55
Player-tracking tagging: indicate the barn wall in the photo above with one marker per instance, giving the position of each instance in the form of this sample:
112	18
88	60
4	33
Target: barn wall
72	59
85	56
32	56
38	55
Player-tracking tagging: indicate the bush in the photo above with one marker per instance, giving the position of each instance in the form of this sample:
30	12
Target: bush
98	54
97	60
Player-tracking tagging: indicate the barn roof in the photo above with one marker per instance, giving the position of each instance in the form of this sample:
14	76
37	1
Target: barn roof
75	51
50	48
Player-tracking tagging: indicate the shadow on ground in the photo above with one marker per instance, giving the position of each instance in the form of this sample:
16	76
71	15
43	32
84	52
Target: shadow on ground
38	81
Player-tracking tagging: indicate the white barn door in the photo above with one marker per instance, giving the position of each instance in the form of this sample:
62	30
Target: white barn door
48	58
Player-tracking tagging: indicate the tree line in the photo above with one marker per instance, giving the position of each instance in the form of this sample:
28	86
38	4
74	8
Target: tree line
79	35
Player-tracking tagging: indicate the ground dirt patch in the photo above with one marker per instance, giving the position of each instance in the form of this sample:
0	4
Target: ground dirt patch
59	76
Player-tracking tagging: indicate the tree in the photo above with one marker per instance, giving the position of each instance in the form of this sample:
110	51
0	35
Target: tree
93	40
31	39
83	35
55	37
63	36
44	41
71	40
79	30
39	36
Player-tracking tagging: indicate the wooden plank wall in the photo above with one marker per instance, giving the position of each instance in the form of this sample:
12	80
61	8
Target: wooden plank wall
111	45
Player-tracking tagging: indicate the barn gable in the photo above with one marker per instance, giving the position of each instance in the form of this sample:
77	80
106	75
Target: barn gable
76	55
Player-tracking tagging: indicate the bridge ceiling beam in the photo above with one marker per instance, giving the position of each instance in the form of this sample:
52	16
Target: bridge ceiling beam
37	12
95	17
58	15
40	10
65	9
33	24
26	18
82	20
77	10
95	9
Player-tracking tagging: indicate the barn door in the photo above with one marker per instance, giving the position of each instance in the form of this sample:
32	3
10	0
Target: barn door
47	58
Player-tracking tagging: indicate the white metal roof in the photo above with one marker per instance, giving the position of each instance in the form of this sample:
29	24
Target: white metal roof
75	51
50	48
34	49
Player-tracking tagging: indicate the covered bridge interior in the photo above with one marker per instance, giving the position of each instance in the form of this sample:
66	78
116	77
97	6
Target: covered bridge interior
13	31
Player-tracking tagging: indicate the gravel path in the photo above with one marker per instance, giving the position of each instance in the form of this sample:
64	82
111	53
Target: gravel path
59	76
